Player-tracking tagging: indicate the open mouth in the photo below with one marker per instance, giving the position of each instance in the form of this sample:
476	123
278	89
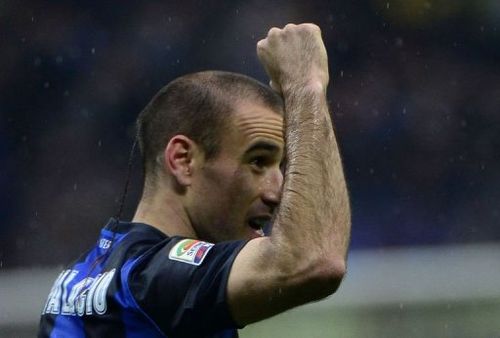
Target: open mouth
259	224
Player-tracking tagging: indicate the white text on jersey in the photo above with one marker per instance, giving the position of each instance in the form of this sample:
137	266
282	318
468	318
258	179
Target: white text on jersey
85	297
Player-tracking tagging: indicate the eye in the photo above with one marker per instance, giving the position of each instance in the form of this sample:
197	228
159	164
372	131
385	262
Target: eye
259	162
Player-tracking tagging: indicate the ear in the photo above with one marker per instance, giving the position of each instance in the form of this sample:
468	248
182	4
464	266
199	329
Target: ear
180	156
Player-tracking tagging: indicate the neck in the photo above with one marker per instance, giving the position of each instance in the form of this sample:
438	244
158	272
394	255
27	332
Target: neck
165	212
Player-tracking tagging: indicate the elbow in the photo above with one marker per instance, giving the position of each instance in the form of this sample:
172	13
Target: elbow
337	269
337	273
329	277
310	279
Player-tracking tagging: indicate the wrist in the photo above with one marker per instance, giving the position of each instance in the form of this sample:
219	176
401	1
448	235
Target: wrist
313	87
313	81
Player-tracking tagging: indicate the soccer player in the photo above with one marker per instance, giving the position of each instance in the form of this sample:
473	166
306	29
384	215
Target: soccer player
194	262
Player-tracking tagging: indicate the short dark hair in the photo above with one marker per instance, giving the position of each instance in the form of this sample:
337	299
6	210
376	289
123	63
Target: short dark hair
199	106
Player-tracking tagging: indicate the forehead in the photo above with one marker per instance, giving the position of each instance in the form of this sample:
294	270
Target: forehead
252	122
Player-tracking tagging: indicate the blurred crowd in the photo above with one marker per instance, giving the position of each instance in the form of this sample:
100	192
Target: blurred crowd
414	93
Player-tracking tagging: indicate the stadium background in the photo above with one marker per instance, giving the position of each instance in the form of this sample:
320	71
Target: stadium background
415	94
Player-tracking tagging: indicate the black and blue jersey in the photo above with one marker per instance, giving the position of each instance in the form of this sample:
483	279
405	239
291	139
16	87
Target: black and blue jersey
138	282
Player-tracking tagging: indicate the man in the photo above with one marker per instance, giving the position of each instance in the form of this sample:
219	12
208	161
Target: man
194	262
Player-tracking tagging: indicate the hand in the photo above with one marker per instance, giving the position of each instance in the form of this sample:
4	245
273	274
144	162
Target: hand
294	56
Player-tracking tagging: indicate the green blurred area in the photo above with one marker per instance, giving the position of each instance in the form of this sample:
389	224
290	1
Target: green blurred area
472	319
475	319
443	291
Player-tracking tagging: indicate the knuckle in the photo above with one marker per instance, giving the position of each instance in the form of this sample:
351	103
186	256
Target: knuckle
273	31
262	46
312	27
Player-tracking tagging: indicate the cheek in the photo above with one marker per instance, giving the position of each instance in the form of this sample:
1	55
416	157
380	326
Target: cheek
230	191
243	185
222	185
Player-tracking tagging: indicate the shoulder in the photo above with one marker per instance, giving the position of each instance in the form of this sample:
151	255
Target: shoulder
183	281
177	259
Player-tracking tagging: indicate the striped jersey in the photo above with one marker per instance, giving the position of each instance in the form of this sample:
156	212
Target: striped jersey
138	282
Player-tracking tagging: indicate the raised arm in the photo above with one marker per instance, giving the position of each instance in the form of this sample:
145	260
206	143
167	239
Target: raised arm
304	259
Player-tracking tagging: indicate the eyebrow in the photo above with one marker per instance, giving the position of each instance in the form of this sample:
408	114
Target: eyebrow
262	145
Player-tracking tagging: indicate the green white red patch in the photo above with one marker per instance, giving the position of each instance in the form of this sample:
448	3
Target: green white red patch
190	251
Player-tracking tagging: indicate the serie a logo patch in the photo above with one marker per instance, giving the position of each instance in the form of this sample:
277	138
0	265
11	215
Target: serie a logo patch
190	251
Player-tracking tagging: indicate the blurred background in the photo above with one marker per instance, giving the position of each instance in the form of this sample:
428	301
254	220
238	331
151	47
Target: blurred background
415	97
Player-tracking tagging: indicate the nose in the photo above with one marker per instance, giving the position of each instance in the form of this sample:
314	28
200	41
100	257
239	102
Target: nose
271	193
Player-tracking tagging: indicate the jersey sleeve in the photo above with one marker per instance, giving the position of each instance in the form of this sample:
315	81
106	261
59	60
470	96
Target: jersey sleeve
181	286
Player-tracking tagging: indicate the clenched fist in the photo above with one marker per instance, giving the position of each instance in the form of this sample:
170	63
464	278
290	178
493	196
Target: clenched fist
294	56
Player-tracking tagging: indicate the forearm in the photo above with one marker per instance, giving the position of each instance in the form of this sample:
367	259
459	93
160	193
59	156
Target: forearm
304	258
314	213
